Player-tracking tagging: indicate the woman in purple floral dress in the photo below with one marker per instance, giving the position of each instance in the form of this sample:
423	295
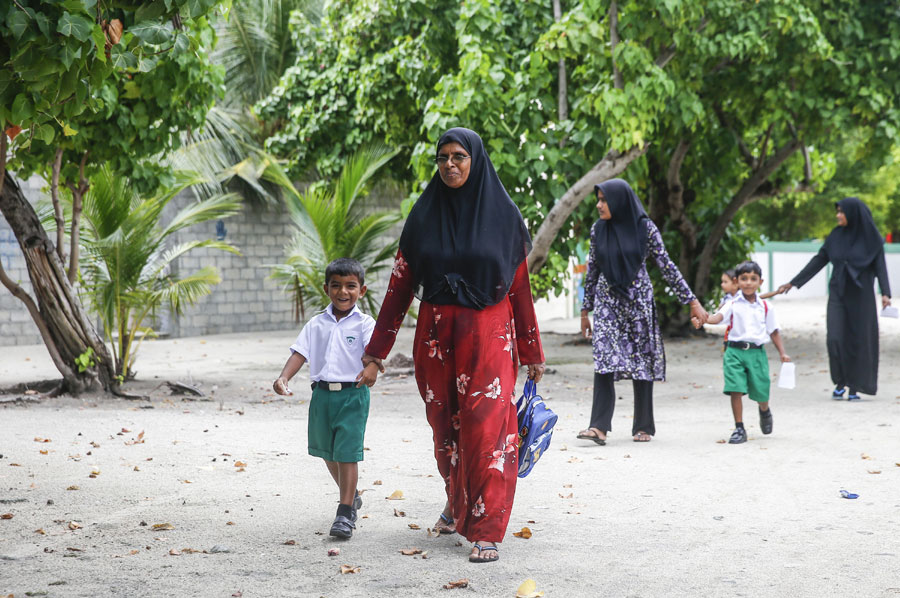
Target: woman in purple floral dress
626	337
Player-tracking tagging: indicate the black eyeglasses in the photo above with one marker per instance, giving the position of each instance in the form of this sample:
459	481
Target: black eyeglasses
456	158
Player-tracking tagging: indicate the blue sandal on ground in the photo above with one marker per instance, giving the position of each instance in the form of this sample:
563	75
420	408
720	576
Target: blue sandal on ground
853	396
838	395
480	559
445	528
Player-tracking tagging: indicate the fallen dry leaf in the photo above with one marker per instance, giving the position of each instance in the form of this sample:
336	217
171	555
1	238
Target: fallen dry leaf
73	525
376	483
174	552
290	542
240	464
39	439
397	495
571	495
720	441
874	471
528	589
414	526
865	456
229	523
349	569
334	551
191	551
574	460
138	440
73	488
14	465
187	481
525	533
567	485
161	526
459	583
44	452
40	531
410	551
7	516
94	444
398	513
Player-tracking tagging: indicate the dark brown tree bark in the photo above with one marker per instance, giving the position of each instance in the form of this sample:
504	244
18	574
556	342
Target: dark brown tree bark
58	314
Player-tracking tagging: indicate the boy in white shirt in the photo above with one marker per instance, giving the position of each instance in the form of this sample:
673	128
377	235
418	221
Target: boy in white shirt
746	367
333	343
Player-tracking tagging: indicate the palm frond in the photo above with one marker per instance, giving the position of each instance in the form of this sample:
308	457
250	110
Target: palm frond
213	208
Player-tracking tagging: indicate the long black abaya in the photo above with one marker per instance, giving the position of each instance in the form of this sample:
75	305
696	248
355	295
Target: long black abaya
852	316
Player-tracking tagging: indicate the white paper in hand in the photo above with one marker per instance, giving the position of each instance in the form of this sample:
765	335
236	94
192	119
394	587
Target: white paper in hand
786	376
890	312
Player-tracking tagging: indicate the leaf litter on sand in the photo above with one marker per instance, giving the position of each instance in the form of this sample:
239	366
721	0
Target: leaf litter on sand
162	526
396	495
528	589
459	583
349	569
410	551
525	533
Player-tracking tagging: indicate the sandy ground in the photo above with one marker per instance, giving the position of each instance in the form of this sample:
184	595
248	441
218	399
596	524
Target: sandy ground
684	515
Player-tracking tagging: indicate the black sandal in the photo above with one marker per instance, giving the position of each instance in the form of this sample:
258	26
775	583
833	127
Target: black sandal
595	437
480	559
445	531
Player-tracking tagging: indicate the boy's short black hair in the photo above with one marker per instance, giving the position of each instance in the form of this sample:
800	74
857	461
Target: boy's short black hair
748	267
731	273
345	266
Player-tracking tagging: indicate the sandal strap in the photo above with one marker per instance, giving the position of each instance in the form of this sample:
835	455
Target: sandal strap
482	548
445	519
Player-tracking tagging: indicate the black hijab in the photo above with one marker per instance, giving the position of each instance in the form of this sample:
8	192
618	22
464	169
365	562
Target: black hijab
464	245
852	248
620	243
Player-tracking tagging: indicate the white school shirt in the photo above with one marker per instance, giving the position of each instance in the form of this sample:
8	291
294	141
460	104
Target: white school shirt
749	321
334	349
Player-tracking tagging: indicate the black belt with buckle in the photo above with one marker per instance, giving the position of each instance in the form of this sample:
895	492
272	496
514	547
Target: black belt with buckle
332	386
744	345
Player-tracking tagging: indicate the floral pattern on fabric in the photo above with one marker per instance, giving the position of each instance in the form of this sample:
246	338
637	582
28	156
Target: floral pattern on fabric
626	338
466	363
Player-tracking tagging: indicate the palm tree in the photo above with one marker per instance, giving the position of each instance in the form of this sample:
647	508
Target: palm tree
126	265
254	46
333	223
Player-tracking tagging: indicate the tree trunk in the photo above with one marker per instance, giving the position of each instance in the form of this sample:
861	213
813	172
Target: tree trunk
63	324
611	165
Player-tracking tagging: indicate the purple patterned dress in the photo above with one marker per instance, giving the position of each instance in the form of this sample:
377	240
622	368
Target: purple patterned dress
626	337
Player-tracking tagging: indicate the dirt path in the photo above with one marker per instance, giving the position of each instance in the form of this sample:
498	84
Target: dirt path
681	516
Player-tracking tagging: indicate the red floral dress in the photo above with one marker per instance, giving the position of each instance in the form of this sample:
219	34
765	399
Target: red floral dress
466	362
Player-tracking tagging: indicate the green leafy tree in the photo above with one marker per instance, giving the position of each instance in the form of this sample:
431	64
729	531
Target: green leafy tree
126	265
85	83
711	106
332	223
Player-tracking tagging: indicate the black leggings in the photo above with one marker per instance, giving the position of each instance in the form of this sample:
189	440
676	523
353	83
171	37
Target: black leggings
605	403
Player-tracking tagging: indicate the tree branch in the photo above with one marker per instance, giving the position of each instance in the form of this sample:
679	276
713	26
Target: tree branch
677	211
562	98
746	154
740	199
74	237
669	51
3	146
614	41
57	206
611	165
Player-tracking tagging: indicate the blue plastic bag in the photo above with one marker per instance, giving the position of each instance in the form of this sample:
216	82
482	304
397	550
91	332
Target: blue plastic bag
536	422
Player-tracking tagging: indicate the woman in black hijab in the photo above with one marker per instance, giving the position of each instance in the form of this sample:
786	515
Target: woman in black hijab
855	249
462	252
626	336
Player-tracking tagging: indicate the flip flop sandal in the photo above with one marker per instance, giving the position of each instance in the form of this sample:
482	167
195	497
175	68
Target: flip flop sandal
445	531
480	559
853	397
642	437
838	396
594	437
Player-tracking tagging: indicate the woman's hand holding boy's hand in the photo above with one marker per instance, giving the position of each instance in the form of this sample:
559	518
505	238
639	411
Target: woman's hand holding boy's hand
280	386
785	358
698	313
368	375
696	322
370	359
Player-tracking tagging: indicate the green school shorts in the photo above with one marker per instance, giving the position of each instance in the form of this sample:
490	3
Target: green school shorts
337	423
747	372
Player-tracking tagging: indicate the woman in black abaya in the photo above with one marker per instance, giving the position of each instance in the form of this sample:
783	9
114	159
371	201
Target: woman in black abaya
856	251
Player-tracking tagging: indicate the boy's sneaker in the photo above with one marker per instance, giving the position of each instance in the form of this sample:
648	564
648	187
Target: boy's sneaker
342	527
838	394
738	436
765	421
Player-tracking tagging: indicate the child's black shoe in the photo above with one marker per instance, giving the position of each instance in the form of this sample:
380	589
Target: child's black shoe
765	421
357	505
342	527
738	436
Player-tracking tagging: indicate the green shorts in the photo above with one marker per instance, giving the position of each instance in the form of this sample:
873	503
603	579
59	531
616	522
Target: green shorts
337	423
747	372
